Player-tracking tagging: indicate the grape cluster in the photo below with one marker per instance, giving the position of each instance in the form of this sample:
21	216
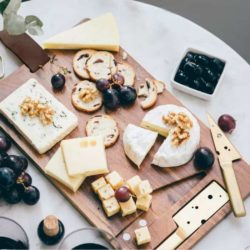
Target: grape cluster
15	183
115	94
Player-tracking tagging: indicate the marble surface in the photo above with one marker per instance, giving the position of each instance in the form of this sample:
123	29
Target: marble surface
157	39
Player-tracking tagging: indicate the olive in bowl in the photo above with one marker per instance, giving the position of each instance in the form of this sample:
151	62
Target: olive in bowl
199	74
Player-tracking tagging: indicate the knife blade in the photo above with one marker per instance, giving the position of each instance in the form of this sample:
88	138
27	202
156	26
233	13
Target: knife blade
195	213
222	145
227	153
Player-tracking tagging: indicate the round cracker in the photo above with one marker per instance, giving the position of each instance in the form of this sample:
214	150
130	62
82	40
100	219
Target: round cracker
105	126
79	62
79	103
101	65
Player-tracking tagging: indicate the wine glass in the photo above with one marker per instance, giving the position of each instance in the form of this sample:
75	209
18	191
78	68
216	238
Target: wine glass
12	235
90	238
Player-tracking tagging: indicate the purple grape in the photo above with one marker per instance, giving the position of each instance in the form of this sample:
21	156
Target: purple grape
102	84
3	156
14	162
13	196
118	79
23	181
24	162
31	195
7	178
5	143
127	95
111	99
58	81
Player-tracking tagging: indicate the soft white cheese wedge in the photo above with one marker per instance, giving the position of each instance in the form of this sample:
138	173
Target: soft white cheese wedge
169	155
137	142
41	137
56	169
153	119
99	33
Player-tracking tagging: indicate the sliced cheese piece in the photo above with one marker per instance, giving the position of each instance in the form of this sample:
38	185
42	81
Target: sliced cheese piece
105	192
128	207
85	156
56	169
111	206
142	236
137	142
114	179
97	184
143	188
169	155
99	33
41	137
144	202
133	182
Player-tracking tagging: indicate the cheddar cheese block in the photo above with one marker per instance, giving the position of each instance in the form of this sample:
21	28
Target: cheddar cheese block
56	169
85	156
99	33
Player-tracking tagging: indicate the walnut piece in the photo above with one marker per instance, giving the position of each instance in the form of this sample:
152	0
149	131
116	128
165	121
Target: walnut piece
88	94
182	125
34	108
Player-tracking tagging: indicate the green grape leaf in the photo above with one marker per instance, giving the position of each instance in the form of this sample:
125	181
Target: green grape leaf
12	7
3	5
14	24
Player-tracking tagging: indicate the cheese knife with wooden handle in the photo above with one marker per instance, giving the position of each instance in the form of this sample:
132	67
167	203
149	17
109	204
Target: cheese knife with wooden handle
195	213
226	155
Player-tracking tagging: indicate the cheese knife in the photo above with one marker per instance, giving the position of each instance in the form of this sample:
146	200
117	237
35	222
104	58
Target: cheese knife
195	213
226	155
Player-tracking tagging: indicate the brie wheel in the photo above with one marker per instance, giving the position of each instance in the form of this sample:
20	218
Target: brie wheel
168	154
137	142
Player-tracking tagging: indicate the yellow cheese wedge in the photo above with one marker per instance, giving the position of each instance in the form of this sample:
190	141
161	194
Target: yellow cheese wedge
85	156
56	169
100	33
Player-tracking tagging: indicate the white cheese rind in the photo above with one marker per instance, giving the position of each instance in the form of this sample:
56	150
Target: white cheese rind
41	137
56	169
169	155
100	33
137	142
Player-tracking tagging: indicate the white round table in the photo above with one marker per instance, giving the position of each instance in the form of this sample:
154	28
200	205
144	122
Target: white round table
157	39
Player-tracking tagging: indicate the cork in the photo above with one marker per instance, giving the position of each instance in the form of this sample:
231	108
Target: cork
51	226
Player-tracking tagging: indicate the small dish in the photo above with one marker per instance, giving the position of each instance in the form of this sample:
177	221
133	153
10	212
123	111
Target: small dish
190	90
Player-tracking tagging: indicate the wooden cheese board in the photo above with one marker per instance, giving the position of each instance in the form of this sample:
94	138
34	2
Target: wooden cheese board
172	191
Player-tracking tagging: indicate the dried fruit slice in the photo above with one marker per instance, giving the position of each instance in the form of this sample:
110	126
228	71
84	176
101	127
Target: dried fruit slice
127	72
86	97
79	62
101	65
152	95
105	126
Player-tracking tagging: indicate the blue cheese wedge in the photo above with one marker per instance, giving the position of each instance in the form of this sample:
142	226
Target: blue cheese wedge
137	142
56	169
42	136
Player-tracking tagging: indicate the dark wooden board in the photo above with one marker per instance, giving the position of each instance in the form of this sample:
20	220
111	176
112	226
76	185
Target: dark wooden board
164	200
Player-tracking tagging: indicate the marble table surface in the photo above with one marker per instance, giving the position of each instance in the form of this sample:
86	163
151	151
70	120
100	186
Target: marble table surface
157	39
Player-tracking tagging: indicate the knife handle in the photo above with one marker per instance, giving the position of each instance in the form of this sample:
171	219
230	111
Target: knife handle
233	189
173	241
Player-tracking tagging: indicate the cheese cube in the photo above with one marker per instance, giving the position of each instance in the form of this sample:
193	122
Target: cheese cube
85	156
143	188
105	192
97	184
128	207
42	137
111	206
144	202
142	235
133	182
114	179
56	168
